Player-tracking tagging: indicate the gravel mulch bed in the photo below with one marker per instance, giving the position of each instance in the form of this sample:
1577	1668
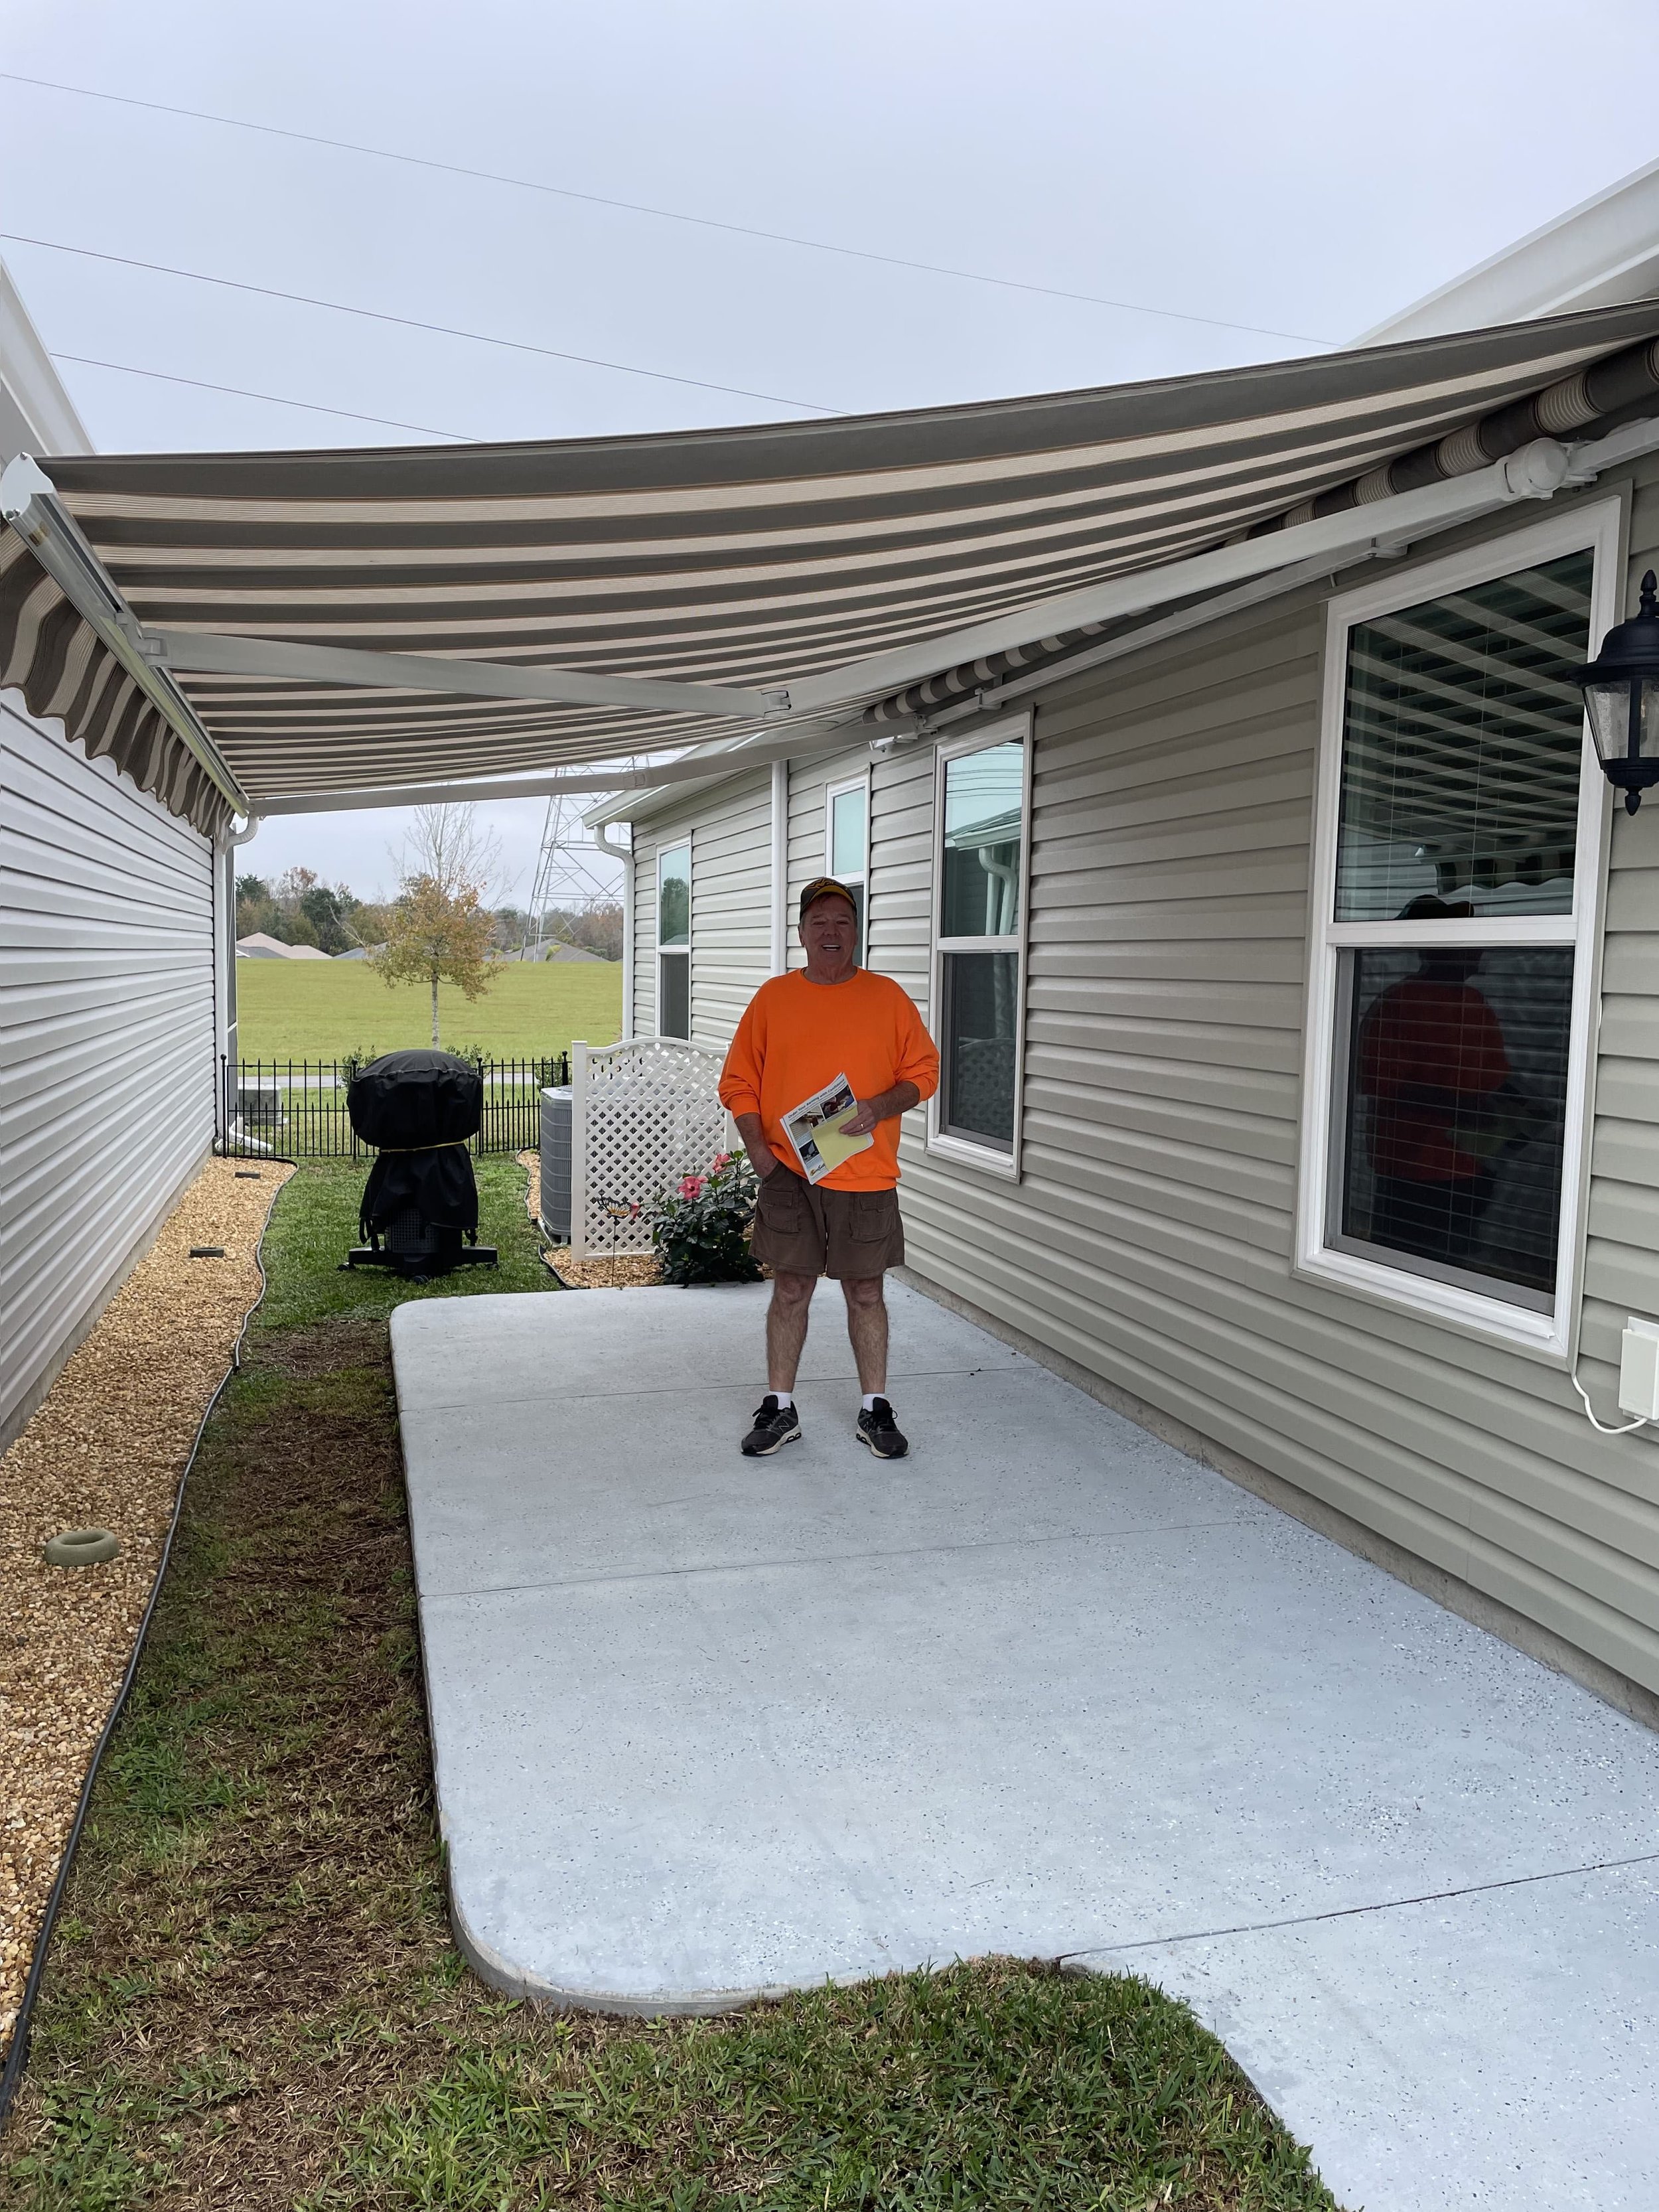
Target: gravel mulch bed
624	1271
106	1450
629	1271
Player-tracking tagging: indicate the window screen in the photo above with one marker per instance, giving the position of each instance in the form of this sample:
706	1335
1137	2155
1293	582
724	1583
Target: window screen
982	858
1460	757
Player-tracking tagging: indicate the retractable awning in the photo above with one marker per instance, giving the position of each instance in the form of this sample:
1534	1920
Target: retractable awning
620	596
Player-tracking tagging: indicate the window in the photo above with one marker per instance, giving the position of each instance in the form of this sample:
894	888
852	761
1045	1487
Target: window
981	819
846	843
674	942
1457	860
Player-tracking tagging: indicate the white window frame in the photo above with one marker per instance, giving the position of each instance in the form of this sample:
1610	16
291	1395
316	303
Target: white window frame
678	952
836	791
949	1144
1595	528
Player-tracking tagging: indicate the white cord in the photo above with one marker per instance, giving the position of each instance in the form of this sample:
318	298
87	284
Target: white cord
1642	1421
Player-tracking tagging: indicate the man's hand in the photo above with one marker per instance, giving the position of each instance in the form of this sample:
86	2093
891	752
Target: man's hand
884	1107
761	1157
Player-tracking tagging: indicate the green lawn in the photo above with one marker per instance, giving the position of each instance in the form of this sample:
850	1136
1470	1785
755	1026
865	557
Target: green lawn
253	2000
317	1010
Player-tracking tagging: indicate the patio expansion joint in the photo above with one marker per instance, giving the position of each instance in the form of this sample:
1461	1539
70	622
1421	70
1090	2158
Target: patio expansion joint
837	1559
1359	1911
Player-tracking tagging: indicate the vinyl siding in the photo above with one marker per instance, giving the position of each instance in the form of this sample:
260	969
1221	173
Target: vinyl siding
809	785
644	930
729	831
106	1039
730	906
1150	1239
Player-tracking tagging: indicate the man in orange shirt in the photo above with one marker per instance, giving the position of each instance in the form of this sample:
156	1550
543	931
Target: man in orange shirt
799	1032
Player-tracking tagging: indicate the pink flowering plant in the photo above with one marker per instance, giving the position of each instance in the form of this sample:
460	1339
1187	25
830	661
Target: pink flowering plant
701	1226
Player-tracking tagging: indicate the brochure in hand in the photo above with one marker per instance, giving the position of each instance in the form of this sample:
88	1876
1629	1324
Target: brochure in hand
814	1129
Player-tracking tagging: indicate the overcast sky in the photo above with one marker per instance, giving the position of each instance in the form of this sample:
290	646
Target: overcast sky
1302	169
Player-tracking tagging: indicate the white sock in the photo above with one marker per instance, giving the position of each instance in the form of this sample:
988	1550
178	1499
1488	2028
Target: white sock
783	1397
870	1398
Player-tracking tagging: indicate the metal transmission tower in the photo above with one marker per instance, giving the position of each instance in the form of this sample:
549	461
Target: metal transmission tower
569	877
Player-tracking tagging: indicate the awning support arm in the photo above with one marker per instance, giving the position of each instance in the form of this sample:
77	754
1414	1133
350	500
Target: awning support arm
703	766
217	653
32	507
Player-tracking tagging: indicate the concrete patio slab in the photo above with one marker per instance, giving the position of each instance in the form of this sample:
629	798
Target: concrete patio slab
705	1727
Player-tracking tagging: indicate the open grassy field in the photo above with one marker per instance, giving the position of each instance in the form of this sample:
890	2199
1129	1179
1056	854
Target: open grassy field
252	2003
318	1009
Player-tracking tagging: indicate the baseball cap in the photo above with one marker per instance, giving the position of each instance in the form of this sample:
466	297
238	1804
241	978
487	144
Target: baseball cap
823	887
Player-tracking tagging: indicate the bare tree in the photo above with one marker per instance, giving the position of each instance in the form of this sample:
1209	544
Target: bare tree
439	928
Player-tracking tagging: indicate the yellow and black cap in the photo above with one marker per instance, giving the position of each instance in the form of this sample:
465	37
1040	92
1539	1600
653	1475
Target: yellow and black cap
825	887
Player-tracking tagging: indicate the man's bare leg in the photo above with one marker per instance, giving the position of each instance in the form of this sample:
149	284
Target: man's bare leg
786	1327
866	1325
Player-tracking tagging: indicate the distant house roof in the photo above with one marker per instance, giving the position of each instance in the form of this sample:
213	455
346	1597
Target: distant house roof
259	944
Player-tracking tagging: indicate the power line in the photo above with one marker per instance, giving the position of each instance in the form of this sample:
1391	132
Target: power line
409	323
663	214
276	398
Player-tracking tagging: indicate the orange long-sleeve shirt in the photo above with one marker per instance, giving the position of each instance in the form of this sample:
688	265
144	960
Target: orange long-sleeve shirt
797	1036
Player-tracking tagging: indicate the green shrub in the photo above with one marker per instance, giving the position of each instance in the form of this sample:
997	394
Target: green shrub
702	1229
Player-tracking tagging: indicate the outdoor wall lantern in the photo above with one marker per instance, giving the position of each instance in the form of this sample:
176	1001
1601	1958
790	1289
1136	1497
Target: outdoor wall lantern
1621	696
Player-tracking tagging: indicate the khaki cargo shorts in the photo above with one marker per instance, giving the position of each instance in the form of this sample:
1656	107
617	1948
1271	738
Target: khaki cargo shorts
805	1229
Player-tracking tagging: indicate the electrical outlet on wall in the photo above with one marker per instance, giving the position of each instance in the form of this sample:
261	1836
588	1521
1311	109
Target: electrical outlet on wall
1638	1369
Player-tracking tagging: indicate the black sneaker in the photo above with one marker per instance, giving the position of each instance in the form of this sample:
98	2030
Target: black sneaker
775	1426
878	1429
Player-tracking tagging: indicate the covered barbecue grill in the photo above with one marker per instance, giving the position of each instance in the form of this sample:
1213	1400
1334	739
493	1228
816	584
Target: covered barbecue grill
420	1209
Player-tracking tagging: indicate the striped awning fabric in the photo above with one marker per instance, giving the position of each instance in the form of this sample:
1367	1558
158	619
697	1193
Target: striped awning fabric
749	557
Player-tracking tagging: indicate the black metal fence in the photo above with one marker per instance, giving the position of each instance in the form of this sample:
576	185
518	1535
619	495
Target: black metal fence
296	1110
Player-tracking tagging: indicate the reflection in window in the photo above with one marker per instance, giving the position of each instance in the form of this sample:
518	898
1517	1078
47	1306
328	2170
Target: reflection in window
1453	1107
674	942
984	804
674	897
848	831
1462	741
981	1016
981	857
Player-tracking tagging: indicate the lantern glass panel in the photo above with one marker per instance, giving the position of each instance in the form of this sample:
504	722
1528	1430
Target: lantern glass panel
1608	706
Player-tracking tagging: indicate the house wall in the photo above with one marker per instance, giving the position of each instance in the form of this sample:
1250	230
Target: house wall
731	832
107	1040
730	905
1147	1246
1150	1239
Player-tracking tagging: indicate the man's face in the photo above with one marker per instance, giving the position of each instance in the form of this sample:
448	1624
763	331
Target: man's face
830	931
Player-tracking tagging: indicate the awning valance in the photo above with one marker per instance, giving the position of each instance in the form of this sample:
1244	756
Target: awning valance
750	560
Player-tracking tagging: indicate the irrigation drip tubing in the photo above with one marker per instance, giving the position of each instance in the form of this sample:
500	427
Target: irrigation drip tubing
11	2074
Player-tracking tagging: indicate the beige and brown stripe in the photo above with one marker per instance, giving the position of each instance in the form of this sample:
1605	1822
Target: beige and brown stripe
752	558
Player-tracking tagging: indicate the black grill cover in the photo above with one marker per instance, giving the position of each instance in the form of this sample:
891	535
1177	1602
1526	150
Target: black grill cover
419	1107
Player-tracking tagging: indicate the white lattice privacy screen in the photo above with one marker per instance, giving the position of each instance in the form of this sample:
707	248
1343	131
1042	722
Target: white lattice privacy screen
642	1113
